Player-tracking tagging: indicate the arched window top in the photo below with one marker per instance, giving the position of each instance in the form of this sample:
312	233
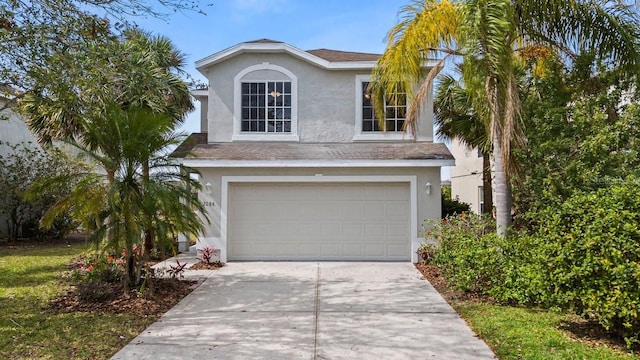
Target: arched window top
265	104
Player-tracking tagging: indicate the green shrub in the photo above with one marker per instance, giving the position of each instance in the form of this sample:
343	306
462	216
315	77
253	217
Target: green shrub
522	271
473	258
470	254
451	207
592	255
427	253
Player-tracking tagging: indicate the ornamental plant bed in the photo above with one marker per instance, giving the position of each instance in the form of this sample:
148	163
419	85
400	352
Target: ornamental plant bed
433	275
207	266
166	294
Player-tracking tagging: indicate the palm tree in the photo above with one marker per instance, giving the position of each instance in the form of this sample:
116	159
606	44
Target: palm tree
135	70
122	205
488	35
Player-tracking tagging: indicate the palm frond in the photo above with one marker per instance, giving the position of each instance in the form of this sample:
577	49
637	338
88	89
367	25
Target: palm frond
426	26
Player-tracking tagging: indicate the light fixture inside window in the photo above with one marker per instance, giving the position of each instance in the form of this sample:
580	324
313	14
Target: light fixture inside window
367	96
207	188
275	93
427	188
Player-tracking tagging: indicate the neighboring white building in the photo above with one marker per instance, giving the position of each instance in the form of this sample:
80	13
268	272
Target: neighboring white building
466	176
13	129
294	166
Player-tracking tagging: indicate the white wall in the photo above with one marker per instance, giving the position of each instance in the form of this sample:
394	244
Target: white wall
13	130
466	175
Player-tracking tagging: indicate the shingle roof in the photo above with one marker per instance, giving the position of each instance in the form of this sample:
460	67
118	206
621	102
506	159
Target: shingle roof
336	55
196	147
264	41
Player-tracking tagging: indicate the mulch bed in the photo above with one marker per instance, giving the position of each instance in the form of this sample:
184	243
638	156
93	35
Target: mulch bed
433	275
578	329
207	266
166	293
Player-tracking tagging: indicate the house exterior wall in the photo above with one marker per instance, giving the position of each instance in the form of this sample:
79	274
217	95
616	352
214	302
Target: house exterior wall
326	99
428	206
466	176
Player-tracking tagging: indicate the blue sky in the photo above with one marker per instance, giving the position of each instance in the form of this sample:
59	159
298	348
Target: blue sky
350	25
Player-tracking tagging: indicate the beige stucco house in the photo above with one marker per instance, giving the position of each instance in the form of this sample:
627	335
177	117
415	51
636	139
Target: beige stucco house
294	165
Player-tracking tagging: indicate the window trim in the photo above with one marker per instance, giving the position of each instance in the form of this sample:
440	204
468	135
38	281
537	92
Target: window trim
238	134
360	135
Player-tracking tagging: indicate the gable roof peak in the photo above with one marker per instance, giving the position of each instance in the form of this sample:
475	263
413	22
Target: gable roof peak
263	41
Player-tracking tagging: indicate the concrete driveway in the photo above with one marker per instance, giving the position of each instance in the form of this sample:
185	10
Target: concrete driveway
310	310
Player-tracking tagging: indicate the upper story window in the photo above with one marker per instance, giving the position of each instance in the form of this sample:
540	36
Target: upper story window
394	112
266	107
368	126
265	104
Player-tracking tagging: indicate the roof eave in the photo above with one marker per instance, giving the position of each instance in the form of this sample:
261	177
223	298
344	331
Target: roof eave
204	63
210	163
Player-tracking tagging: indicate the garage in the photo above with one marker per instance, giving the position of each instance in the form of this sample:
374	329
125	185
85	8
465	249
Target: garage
319	221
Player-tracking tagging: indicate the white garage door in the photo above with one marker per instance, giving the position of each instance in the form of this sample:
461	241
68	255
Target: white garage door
319	221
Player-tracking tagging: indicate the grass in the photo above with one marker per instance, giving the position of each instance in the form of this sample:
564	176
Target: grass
30	276
522	333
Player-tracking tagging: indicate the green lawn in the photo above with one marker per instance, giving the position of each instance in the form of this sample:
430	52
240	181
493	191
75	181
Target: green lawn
521	333
30	276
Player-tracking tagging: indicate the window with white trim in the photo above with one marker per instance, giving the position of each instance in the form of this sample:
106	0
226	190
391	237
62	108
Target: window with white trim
266	107
367	124
395	111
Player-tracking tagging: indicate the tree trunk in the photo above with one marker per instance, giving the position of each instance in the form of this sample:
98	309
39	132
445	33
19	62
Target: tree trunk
487	189
502	186
148	231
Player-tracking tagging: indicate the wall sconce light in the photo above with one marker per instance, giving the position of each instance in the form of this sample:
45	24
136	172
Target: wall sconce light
207	187
427	188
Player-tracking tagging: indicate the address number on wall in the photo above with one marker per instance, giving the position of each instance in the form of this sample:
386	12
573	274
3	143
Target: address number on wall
208	203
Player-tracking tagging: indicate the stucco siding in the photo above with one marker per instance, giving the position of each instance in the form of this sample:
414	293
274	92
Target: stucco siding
326	99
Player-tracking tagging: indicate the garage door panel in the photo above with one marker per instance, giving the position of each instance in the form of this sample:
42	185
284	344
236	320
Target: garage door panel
397	232
330	250
330	221
354	250
396	193
396	210
352	210
396	250
353	231
374	210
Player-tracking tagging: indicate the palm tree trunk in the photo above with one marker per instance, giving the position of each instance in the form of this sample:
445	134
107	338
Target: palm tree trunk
502	186
487	190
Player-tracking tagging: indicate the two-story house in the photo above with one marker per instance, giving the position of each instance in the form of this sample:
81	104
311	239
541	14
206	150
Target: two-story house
295	166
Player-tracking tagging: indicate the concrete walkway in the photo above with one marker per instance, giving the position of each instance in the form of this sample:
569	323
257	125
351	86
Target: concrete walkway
310	310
